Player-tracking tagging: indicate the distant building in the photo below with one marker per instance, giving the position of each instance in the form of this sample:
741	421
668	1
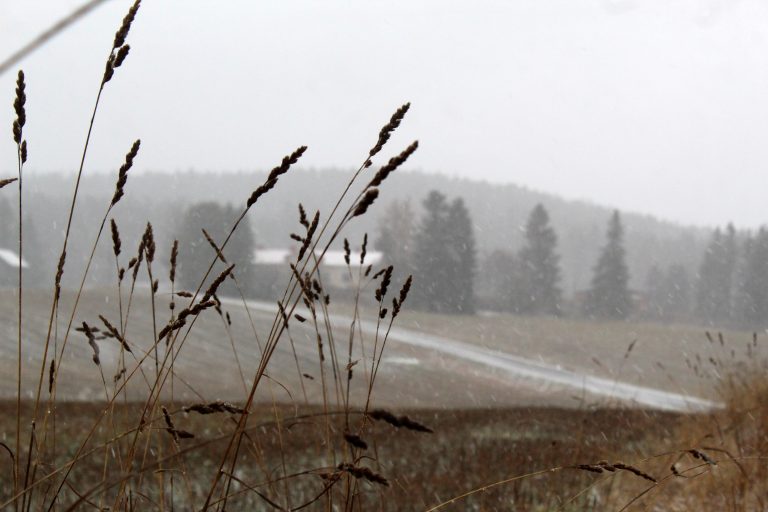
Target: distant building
272	269
9	267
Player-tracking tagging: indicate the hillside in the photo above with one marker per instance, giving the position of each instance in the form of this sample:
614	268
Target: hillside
498	211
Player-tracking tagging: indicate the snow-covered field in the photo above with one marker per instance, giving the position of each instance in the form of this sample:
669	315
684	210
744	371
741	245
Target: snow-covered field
423	365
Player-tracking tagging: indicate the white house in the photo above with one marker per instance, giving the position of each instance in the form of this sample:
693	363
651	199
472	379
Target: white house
270	264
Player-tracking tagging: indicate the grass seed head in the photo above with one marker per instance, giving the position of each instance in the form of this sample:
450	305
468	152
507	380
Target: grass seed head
367	200
116	243
386	131
19	107
393	164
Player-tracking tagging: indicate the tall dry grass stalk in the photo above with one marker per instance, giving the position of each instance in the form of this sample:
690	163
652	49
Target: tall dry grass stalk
21	145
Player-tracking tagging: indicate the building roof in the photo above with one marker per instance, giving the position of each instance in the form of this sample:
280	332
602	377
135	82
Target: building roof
10	258
331	258
271	256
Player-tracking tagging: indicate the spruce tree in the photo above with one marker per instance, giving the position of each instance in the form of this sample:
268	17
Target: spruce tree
538	280
461	258
714	291
444	257
430	270
609	295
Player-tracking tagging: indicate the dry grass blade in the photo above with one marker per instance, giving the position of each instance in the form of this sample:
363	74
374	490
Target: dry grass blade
215	247
214	407
355	440
7	181
398	421
92	342
364	473
171	428
114	333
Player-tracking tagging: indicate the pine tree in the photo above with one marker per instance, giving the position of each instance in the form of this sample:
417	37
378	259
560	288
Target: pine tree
714	292
430	270
538	277
444	257
609	295
461	258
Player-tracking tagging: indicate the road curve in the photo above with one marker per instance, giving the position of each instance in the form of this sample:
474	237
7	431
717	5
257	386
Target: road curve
517	366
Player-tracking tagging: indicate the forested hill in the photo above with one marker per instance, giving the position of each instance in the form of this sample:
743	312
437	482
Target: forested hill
498	212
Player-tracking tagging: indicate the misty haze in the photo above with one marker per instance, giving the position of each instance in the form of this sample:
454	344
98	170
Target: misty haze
383	255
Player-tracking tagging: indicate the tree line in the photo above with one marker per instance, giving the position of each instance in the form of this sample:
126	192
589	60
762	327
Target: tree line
440	251
730	286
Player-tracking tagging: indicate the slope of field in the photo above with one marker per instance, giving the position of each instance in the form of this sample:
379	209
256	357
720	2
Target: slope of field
516	361
674	357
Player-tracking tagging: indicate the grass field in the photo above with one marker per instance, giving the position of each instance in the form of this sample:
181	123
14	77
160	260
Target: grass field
468	448
675	357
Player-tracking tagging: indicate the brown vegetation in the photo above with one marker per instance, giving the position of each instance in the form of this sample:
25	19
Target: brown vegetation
155	451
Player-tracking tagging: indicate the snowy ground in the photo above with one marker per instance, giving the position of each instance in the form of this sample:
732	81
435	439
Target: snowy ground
429	361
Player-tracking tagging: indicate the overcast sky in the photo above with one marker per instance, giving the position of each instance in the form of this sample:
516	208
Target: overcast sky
654	106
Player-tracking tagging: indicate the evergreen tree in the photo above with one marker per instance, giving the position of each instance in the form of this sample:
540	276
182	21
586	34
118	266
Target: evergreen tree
609	295
538	277
444	257
461	258
196	254
715	284
395	240
754	287
430	270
